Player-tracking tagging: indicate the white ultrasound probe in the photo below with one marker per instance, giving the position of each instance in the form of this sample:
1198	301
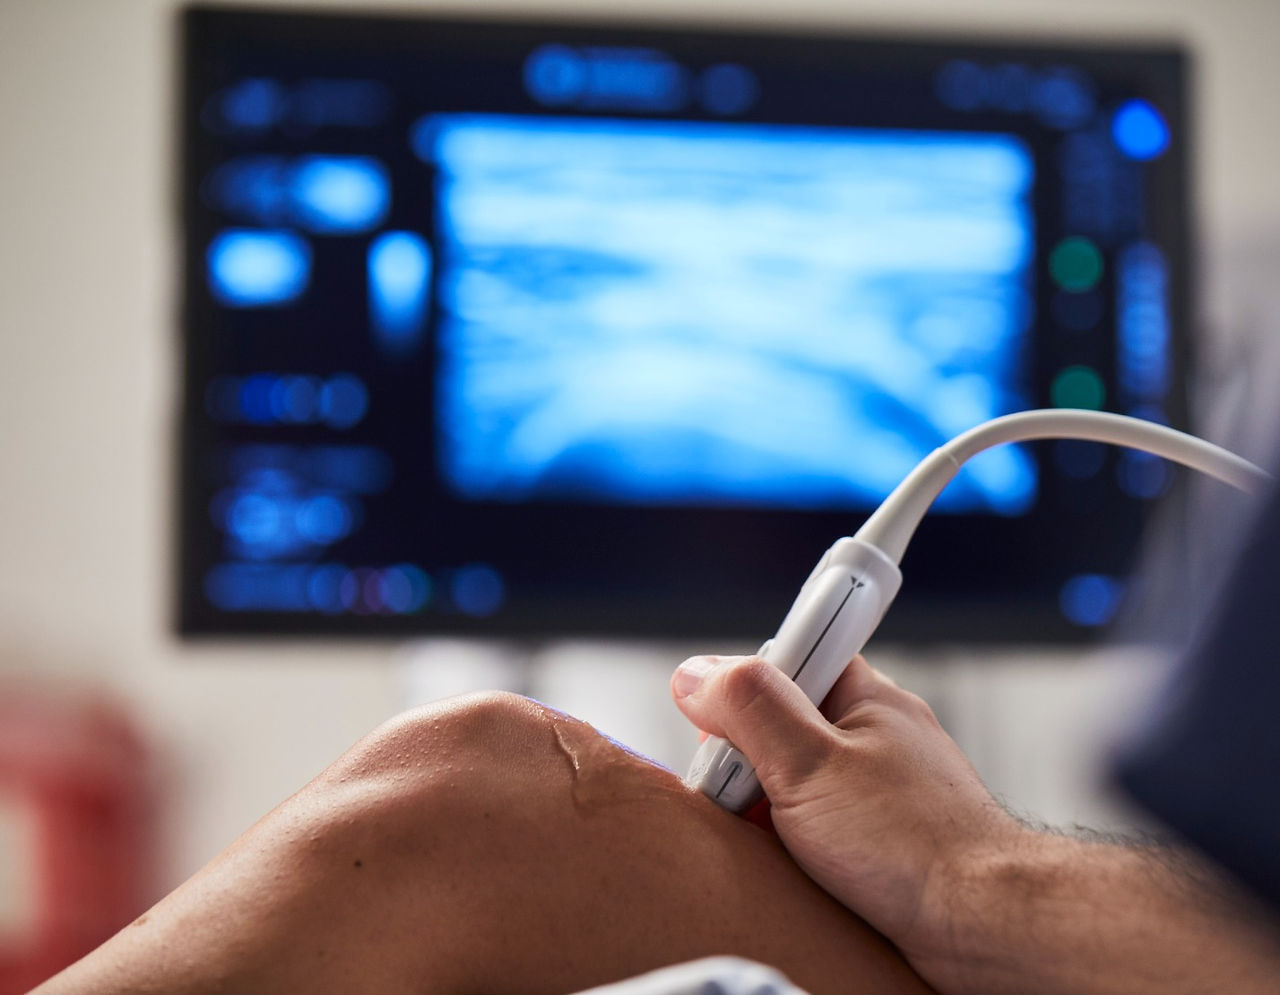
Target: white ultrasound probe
851	588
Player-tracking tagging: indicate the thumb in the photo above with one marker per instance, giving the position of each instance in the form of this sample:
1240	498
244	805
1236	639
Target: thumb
760	710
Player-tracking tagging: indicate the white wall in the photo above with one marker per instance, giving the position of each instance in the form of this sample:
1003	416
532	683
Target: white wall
87	351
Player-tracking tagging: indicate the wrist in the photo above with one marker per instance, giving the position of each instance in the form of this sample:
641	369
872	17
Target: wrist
1054	914
976	903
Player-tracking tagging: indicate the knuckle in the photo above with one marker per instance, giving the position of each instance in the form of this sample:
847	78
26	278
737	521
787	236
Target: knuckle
920	708
744	684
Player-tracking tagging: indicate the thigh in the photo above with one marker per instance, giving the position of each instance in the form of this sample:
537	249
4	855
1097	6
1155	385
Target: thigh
491	845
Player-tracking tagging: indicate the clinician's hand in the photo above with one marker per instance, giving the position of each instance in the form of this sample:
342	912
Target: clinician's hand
877	803
869	795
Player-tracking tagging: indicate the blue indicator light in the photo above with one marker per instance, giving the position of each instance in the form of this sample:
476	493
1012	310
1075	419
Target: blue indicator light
325	194
1063	98
253	187
287	501
255	399
338	195
343	401
324	587
555	75
1139	130
603	77
294	399
252	104
323	519
396	591
248	587
256	520
1143	321
404	589
478	590
257	104
423	135
635	78
399	285
1060	96
728	89
419	586
340	401
258	268
1090	600
370	588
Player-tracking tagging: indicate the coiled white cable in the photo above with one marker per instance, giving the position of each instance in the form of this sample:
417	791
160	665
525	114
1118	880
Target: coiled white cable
892	525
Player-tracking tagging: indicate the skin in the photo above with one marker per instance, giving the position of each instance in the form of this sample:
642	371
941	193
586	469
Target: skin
488	845
881	808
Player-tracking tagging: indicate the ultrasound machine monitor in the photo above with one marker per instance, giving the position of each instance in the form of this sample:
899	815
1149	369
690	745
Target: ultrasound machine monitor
535	329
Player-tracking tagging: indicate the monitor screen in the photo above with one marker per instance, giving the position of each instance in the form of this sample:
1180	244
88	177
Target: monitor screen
538	329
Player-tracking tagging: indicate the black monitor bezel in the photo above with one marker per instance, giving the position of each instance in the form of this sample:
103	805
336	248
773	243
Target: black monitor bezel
1021	613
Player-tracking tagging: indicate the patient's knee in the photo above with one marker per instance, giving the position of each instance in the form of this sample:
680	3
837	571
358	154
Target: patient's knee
471	757
442	734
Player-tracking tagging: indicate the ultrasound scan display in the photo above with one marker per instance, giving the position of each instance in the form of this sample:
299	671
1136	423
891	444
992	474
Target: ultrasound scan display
537	329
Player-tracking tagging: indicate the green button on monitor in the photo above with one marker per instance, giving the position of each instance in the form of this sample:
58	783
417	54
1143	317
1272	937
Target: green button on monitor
1078	387
1076	264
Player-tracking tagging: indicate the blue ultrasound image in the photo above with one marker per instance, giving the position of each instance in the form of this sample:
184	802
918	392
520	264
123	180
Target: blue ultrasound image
688	314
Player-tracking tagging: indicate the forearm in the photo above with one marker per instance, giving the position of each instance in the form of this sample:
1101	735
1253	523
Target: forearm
1051	914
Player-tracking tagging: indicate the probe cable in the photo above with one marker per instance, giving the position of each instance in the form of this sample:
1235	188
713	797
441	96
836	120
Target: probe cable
840	605
892	525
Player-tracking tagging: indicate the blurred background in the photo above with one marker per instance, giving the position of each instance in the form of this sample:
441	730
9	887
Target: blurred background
168	748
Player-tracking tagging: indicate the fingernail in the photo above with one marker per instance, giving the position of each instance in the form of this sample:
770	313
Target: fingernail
690	674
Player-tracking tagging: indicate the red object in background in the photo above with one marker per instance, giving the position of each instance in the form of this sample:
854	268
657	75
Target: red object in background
76	861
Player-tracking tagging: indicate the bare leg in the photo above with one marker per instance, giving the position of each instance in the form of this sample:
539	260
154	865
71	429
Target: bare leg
488	845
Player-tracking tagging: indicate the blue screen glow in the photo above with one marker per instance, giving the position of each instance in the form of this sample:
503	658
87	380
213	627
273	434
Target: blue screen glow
399	285
478	590
1059	96
687	313
258	268
603	77
1139	130
254	188
1143	322
340	401
340	194
322	194
252	104
330	588
1090	600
